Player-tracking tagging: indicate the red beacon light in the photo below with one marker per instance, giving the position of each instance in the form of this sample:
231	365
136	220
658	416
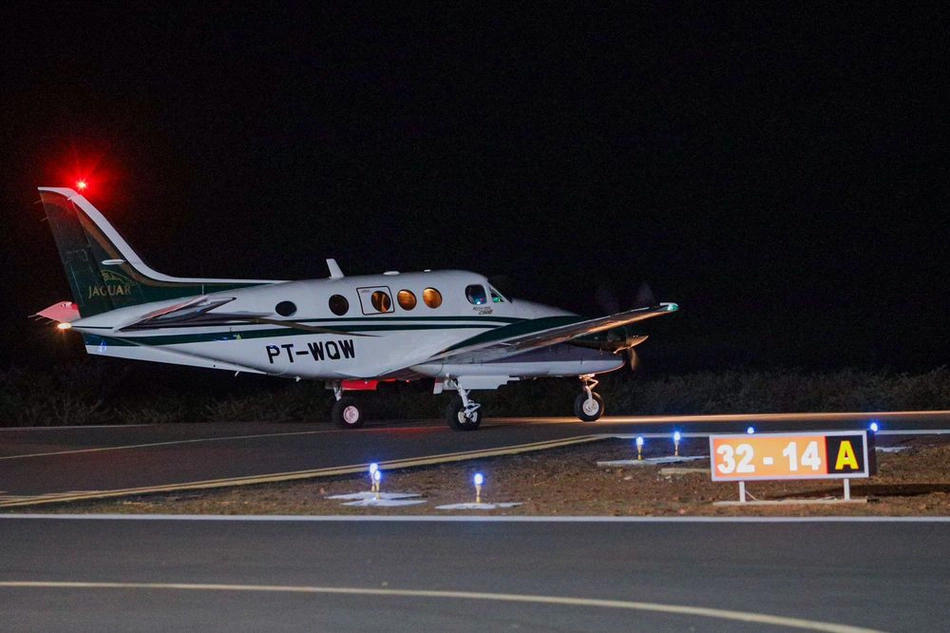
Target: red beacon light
81	185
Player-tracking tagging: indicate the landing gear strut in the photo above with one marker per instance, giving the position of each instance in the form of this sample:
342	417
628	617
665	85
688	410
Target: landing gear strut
589	406
463	413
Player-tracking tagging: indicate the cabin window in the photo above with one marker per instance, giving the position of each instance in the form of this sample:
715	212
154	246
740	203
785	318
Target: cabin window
376	300
381	301
286	308
407	300
339	305
432	297
476	294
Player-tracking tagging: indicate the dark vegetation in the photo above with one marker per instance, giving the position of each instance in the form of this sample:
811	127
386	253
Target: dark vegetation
97	391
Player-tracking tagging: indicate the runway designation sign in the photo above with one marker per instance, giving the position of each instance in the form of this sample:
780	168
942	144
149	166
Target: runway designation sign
828	455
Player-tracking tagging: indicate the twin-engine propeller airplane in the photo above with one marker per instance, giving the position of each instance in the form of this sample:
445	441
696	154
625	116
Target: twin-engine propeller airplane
449	326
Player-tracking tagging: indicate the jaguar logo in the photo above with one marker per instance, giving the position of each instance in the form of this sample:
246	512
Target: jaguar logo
116	285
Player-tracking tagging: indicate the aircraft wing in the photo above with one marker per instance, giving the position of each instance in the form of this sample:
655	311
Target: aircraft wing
528	335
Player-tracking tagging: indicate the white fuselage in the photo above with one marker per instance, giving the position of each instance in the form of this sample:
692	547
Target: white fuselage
391	322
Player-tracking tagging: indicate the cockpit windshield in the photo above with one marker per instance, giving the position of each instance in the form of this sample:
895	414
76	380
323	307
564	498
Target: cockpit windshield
476	294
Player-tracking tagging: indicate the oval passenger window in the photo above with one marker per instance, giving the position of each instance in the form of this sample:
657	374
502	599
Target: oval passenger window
339	305
381	301
285	308
407	300
432	297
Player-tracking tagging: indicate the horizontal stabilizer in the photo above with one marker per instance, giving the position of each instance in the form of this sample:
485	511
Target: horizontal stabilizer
62	312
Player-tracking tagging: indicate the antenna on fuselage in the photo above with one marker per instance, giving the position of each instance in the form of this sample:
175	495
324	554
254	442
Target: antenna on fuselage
335	272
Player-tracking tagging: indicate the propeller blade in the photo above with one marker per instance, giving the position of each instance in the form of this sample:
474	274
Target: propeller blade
645	296
634	358
607	299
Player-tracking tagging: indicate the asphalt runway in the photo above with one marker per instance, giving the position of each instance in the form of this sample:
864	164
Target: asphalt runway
42	465
244	574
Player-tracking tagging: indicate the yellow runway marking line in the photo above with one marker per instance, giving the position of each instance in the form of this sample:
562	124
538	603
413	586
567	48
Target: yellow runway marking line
883	416
104	449
301	474
705	612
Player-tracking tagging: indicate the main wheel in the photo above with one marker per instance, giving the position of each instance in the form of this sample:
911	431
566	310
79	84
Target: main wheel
455	414
347	413
589	409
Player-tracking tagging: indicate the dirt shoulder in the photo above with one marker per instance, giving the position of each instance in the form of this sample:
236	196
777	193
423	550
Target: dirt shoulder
914	481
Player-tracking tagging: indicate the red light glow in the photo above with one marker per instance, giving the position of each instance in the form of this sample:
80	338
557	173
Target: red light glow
88	169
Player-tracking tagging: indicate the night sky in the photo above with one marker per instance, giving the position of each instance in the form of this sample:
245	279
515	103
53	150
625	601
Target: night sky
782	174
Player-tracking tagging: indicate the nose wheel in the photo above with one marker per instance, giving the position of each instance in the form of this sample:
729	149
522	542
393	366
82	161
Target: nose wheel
589	406
463	413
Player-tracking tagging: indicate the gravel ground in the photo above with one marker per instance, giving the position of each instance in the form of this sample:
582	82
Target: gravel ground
568	482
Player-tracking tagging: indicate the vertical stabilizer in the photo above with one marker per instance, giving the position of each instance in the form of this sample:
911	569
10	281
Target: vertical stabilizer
104	272
82	266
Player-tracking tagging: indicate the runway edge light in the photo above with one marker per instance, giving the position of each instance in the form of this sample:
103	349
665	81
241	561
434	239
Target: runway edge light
374	476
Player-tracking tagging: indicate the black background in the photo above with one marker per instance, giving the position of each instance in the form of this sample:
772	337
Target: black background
781	173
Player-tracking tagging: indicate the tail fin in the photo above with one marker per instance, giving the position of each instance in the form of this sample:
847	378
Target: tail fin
104	272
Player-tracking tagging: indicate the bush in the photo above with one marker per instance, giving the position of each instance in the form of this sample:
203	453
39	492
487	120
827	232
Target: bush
96	392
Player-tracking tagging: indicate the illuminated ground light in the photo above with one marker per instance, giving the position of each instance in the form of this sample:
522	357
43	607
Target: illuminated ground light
874	426
639	447
676	443
373	478
376	498
750	430
478	504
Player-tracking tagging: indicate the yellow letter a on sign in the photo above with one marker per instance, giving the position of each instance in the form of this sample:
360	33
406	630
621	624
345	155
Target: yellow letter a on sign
846	457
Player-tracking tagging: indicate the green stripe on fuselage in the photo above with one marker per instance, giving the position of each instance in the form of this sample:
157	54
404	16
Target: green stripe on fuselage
236	334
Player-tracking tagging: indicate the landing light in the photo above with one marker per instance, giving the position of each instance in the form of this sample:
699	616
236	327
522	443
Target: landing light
64	326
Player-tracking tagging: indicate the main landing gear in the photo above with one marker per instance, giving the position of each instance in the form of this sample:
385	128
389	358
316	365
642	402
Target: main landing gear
348	412
463	413
589	406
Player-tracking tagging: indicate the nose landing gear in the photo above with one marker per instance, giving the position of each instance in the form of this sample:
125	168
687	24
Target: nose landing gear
589	406
463	413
